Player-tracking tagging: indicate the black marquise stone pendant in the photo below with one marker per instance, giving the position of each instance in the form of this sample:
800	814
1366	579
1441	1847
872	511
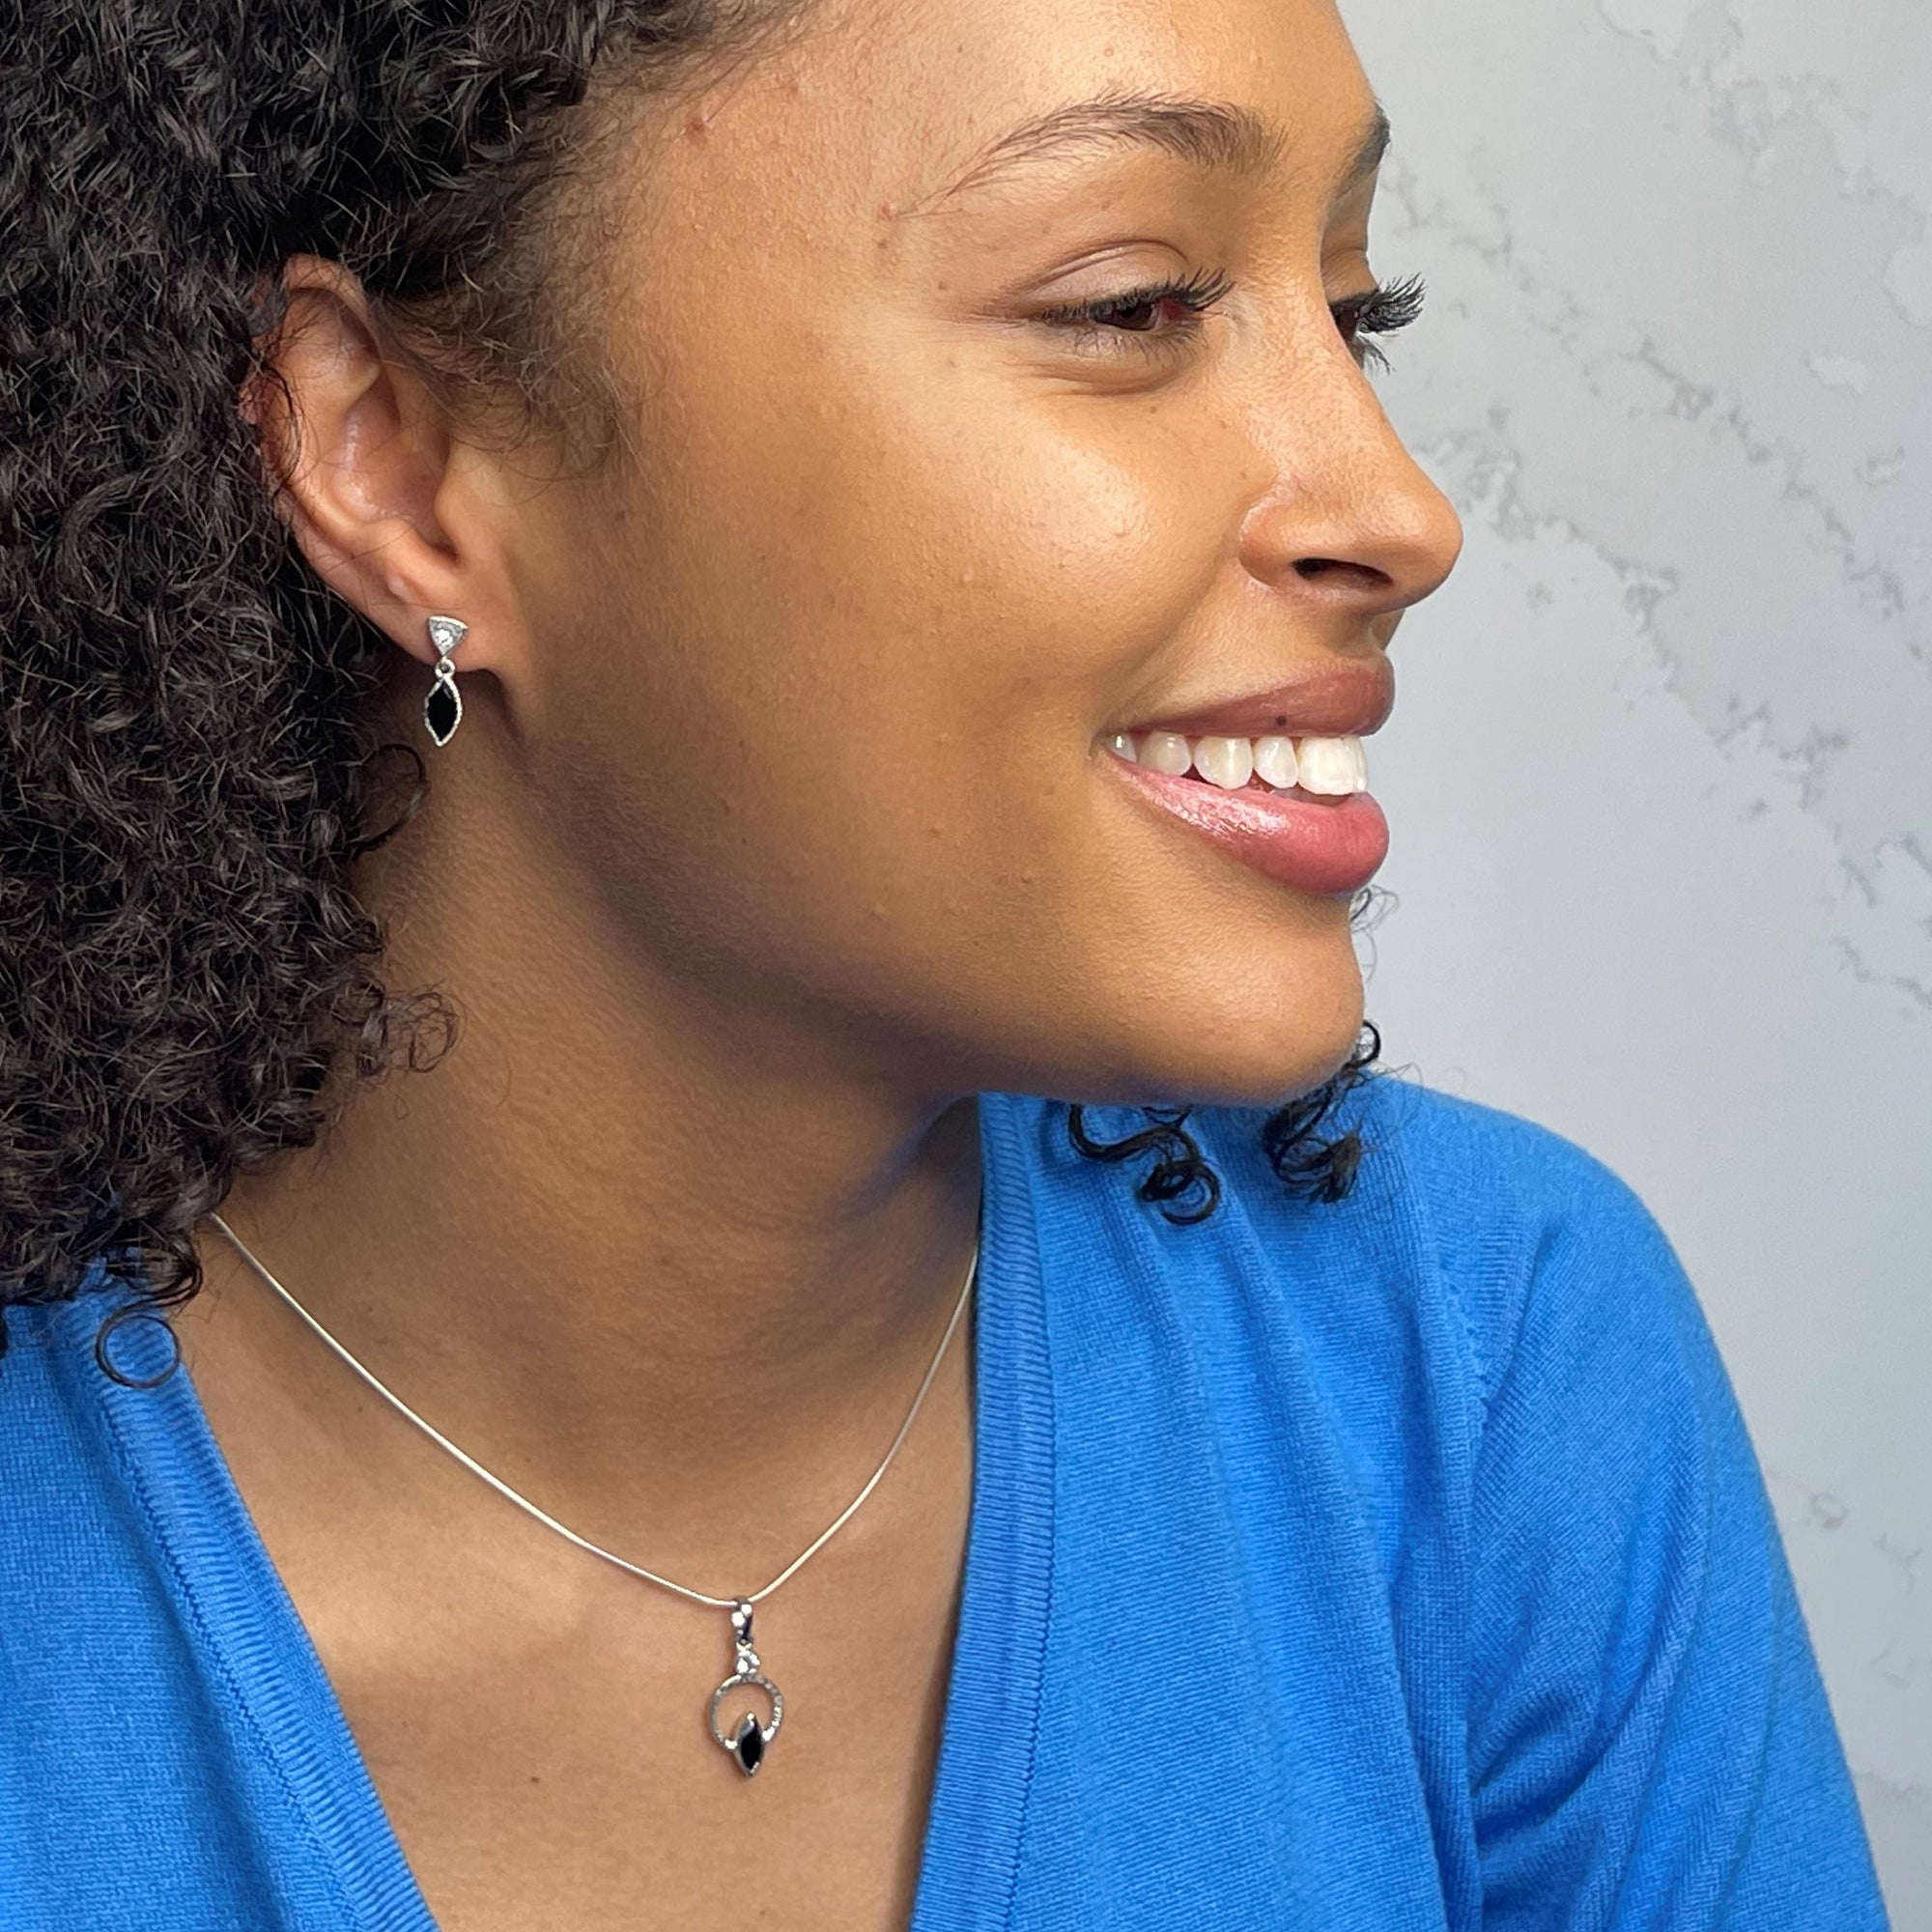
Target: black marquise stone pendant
442	709
750	1741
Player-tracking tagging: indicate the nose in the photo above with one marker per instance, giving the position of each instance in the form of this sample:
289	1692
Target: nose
1350	520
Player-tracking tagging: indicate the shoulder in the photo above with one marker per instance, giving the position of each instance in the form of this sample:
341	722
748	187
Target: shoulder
1479	1173
46	1438
1507	1220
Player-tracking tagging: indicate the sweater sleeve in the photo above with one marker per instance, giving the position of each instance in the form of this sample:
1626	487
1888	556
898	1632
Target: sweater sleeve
1650	1745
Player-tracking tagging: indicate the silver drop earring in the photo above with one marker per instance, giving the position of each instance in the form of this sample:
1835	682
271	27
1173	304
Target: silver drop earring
442	708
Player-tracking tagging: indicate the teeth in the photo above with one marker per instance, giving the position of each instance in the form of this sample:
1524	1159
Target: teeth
1274	760
1166	751
1227	762
1329	766
1333	765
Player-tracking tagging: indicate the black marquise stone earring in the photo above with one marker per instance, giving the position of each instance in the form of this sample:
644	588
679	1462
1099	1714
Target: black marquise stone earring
442	708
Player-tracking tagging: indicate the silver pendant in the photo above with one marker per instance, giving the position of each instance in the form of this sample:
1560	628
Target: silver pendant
749	1743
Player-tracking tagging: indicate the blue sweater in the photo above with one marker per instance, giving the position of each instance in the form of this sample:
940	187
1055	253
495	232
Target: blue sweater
1390	1564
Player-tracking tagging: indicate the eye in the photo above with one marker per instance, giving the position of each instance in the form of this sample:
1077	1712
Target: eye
1378	311
1382	310
1126	316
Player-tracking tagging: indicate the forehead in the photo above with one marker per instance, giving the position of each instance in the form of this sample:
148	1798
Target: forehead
928	105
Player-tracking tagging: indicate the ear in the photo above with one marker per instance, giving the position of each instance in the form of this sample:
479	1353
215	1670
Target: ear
393	511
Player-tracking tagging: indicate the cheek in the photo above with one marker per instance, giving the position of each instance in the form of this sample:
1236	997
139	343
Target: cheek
914	604
833	694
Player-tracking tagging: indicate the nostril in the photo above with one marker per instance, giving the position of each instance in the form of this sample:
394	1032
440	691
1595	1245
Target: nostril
1312	568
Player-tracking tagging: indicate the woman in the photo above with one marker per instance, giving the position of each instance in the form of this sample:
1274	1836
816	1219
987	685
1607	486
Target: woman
774	609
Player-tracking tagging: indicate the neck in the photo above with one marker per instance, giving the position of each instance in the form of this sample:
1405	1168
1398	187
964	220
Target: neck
630	1222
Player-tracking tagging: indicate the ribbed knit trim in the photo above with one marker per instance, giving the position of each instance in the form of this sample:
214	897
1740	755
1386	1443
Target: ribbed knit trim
970	1872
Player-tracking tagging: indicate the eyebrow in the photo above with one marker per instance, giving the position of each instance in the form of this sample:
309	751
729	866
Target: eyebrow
1223	137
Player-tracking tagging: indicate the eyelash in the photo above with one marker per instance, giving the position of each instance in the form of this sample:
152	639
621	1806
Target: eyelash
1382	310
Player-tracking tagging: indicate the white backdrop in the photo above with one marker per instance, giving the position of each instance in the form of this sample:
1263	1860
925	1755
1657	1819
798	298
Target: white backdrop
1659	775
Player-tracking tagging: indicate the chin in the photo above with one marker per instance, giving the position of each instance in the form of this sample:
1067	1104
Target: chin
1272	1082
1257	1039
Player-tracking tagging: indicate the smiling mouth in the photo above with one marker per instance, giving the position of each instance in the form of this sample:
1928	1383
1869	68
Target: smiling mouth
1328	843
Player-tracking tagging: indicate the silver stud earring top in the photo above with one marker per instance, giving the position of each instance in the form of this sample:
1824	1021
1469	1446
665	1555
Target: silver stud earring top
446	632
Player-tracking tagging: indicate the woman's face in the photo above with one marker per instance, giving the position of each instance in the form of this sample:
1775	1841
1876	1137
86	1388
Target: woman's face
822	671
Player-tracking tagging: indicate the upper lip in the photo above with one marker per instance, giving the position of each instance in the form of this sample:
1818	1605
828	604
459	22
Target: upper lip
1343	697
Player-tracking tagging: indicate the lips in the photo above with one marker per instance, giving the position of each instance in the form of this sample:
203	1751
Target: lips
1339	697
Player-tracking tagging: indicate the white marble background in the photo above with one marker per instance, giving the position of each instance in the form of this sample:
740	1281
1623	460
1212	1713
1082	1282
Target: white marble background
1660	777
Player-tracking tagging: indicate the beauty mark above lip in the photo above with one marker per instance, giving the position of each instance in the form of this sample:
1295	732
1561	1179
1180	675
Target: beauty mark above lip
1340	696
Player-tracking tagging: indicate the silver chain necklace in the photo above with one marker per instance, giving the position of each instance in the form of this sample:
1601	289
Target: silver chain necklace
749	1741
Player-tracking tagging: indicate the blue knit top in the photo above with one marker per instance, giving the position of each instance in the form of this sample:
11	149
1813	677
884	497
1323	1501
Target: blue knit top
1385	1565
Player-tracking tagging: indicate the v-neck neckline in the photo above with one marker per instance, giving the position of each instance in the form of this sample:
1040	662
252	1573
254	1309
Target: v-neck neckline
254	1638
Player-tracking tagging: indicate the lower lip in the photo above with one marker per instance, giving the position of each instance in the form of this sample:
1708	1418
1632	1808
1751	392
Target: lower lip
1325	848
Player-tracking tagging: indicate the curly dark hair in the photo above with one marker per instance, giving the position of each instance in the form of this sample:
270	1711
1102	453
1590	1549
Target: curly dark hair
186	764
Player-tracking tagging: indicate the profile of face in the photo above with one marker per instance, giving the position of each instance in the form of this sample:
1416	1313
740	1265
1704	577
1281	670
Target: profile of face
812	685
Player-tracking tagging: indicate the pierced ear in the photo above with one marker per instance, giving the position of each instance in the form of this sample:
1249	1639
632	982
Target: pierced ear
402	514
362	448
